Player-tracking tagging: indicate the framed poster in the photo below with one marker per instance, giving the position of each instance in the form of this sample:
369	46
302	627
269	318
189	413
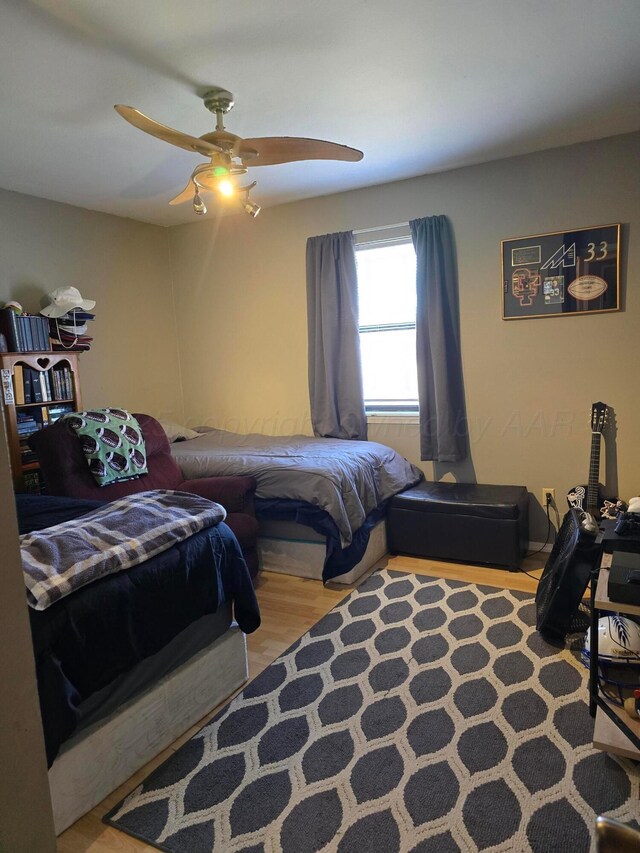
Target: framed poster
561	273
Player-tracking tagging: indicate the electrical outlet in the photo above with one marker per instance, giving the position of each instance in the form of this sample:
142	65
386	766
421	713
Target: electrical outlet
548	497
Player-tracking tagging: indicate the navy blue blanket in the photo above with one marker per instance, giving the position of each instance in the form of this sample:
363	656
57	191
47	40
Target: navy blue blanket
338	560
83	642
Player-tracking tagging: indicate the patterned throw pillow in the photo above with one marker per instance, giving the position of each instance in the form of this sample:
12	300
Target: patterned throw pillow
112	443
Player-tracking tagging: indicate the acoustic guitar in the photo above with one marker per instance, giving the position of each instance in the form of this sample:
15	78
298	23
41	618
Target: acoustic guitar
590	498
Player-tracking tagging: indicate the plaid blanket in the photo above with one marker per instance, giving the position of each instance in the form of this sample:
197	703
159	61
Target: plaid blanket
58	560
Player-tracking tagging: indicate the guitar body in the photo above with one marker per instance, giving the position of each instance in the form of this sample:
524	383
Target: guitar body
577	499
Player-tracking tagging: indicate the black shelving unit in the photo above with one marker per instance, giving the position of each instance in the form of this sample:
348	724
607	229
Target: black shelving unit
615	731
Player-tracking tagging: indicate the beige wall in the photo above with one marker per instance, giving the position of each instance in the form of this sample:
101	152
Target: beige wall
240	291
121	264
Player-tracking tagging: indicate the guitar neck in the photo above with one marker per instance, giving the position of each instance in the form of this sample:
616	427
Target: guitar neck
594	473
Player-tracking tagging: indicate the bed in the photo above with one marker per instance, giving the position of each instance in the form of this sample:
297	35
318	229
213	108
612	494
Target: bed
320	502
128	662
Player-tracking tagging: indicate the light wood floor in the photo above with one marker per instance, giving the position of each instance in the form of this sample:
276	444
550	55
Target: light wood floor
289	607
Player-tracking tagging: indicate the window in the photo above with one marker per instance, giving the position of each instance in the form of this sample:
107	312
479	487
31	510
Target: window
387	306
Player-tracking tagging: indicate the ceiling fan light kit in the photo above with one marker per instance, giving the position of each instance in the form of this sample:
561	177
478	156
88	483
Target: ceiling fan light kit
231	156
199	206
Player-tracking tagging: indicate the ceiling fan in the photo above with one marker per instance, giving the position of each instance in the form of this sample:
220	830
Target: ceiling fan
230	155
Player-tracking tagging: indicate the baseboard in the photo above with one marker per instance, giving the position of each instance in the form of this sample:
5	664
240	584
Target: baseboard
540	546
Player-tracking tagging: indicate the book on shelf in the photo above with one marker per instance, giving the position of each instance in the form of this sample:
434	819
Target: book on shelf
40	332
35	330
33	482
24	332
27	455
30	421
27	383
9	328
45	383
67	384
42	386
56	412
55	382
61	385
59	381
36	388
18	385
27	429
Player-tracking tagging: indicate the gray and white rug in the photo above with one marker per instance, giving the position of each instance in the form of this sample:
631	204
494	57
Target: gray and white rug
419	715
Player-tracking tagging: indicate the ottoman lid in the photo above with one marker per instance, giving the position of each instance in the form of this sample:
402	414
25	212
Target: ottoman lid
475	499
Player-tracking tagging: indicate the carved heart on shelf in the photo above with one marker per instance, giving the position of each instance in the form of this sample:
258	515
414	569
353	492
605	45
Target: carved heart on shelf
44	362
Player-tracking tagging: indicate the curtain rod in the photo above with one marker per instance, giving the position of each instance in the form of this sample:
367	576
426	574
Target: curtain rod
380	228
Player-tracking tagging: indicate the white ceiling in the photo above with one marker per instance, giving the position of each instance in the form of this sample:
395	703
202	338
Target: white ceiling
419	85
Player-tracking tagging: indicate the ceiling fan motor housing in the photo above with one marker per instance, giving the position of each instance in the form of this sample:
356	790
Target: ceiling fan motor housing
218	100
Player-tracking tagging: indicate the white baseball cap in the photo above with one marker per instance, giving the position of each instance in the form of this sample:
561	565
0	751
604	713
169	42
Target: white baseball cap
65	299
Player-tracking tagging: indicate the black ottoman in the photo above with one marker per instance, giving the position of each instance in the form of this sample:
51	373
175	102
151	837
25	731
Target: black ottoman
465	522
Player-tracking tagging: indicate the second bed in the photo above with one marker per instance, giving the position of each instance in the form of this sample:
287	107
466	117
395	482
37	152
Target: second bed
321	502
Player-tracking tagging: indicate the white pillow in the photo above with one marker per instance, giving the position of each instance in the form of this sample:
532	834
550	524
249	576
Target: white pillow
175	432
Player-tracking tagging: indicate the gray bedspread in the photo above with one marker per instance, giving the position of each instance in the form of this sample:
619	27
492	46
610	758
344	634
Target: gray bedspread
346	478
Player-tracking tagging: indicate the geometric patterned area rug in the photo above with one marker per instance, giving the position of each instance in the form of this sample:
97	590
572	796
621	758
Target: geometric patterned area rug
420	715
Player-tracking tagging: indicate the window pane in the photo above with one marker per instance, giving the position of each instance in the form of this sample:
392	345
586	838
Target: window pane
387	284
389	366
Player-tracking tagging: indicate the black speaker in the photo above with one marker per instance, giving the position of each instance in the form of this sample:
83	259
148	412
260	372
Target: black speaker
565	577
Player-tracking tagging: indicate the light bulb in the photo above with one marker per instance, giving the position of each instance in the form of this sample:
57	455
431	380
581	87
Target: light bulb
226	188
251	208
198	205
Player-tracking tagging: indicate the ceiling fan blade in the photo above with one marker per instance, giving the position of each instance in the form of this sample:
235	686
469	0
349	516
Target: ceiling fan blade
286	149
186	195
167	134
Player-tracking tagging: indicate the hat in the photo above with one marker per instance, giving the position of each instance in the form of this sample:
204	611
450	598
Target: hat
70	329
64	299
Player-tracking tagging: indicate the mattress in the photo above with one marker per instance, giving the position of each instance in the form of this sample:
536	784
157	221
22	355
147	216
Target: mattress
101	756
313	524
126	686
296	549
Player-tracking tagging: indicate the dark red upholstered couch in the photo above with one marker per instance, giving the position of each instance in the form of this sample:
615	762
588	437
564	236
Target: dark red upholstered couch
65	471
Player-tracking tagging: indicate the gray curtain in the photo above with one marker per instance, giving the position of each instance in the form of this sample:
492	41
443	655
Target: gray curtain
335	374
443	423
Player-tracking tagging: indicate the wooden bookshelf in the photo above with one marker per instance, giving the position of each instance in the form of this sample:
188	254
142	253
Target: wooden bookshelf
42	411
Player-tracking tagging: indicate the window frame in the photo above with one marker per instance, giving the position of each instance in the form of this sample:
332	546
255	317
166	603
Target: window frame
378	238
